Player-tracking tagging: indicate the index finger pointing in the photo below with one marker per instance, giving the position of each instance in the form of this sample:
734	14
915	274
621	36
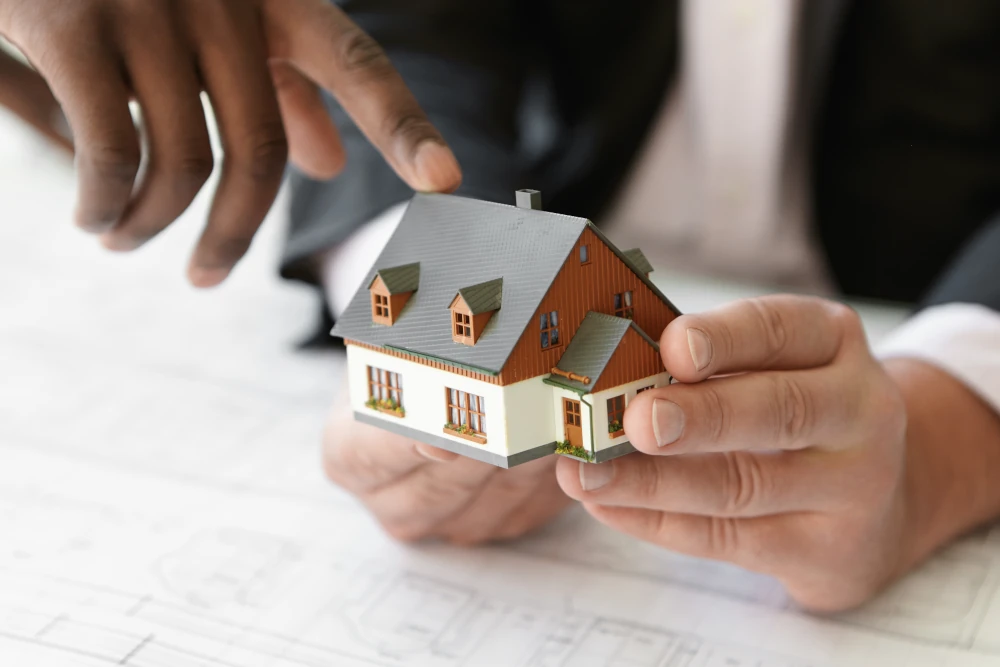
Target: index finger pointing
768	333
332	50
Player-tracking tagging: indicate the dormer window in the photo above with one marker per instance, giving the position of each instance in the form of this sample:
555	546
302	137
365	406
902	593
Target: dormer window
390	289
463	325
380	309
472	308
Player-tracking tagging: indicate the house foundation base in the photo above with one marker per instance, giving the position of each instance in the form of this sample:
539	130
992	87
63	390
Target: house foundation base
468	451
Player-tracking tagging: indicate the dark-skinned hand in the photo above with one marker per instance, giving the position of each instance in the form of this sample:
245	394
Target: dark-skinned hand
262	64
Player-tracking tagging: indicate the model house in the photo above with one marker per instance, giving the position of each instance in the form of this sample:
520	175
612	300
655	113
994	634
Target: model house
503	333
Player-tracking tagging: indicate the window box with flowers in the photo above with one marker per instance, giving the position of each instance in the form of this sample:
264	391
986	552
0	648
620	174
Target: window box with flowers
465	432
386	406
615	429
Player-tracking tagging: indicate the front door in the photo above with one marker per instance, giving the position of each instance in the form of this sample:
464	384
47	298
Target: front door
571	419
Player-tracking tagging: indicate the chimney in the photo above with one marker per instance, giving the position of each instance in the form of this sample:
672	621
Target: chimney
529	199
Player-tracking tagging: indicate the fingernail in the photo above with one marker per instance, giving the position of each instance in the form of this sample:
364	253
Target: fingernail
701	348
92	226
668	421
437	168
435	454
202	277
116	243
594	476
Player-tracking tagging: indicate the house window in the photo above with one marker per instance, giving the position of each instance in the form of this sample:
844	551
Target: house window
385	390
616	413
465	409
639	391
463	325
585	254
550	329
380	308
623	305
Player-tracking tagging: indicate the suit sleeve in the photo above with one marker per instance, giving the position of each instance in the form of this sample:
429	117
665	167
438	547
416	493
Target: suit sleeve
974	276
957	328
456	57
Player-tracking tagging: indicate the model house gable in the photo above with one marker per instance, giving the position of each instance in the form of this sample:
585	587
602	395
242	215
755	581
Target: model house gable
595	277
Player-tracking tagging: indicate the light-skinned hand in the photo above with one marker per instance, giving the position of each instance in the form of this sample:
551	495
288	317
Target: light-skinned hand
262	64
421	492
808	460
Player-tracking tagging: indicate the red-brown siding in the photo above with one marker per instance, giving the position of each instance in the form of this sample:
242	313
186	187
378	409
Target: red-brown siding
634	359
577	290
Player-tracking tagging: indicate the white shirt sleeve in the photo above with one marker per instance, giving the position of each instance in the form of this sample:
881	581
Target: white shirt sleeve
959	338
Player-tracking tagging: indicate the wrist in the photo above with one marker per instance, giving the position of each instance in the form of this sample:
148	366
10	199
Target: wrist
952	459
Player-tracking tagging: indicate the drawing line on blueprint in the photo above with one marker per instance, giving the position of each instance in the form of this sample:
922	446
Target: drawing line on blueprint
543	637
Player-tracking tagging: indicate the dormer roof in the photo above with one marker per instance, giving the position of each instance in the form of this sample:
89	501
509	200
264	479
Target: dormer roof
399	279
483	297
638	260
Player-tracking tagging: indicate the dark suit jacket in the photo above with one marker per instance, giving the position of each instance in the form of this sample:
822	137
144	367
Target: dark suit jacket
558	95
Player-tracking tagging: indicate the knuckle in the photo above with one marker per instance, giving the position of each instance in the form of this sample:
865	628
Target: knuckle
743	484
118	164
646	481
266	153
717	413
194	168
360	52
793	412
412	129
721	537
773	326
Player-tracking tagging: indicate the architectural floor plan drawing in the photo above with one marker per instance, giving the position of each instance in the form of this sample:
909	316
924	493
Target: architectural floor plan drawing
162	503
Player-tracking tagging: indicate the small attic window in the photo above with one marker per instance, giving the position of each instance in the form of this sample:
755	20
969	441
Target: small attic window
585	254
390	290
472	308
380	309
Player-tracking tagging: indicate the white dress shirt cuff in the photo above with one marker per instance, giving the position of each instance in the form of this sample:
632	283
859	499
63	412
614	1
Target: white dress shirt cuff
959	338
346	264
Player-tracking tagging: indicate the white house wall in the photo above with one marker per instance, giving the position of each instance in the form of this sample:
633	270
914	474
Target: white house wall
424	396
531	420
600	403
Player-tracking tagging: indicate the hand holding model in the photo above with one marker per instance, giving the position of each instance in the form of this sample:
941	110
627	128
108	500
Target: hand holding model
262	63
802	457
807	459
417	491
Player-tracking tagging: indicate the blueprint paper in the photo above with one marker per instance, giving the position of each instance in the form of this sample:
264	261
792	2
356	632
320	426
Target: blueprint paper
162	501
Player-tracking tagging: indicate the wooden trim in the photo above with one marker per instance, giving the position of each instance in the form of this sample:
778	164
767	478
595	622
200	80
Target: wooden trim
482	377
478	439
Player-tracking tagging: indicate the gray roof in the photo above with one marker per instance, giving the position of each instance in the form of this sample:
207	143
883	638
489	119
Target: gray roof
638	260
399	279
592	347
483	297
460	242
